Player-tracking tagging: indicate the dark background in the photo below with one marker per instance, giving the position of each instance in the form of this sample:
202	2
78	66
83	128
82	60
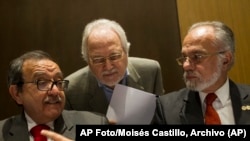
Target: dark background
56	26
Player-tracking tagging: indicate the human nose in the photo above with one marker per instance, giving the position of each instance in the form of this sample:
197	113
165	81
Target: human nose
187	64
108	64
54	87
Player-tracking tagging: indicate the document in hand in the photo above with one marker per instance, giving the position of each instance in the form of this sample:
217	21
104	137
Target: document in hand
131	106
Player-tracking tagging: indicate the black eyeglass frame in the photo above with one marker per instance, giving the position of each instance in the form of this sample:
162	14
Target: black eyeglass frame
48	86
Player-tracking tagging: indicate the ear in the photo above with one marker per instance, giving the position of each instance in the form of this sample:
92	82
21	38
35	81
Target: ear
228	58
15	94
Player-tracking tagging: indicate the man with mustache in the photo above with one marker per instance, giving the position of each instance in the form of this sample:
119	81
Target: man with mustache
207	56
106	50
36	84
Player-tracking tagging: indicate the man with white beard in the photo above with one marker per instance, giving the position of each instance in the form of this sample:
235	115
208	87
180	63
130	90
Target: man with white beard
207	56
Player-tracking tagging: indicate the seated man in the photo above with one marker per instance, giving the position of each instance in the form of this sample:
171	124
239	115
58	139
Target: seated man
36	84
210	96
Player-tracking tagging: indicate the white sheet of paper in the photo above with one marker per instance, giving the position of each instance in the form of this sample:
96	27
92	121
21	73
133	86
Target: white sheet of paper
131	106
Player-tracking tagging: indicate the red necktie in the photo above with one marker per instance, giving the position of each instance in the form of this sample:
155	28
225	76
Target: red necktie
35	132
211	116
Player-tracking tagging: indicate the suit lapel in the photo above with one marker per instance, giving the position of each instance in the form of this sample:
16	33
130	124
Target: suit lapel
18	129
191	112
133	79
240	103
98	101
60	125
236	101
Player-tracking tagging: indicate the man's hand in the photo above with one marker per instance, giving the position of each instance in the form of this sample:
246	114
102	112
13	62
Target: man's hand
112	122
54	136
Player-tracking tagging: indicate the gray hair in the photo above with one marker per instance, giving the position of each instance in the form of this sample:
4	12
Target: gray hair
107	24
223	34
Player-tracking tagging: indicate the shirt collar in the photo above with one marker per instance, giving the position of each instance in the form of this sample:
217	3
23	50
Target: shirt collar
222	93
31	123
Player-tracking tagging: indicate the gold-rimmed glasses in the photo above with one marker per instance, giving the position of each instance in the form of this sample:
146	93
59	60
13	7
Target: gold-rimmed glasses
102	60
196	58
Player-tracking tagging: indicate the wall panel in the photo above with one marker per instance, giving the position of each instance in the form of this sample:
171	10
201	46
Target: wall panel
232	12
56	26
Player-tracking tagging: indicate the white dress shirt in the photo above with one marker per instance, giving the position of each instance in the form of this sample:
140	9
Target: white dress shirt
222	104
31	123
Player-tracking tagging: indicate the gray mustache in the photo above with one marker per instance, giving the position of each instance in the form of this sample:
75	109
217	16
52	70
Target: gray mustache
53	99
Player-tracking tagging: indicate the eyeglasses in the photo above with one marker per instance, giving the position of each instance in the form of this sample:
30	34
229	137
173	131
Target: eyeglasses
196	58
46	85
102	60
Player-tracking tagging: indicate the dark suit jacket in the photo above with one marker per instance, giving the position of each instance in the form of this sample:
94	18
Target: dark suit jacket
84	93
184	106
15	128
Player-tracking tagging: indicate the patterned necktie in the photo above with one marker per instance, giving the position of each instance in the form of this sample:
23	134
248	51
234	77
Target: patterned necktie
35	132
211	116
